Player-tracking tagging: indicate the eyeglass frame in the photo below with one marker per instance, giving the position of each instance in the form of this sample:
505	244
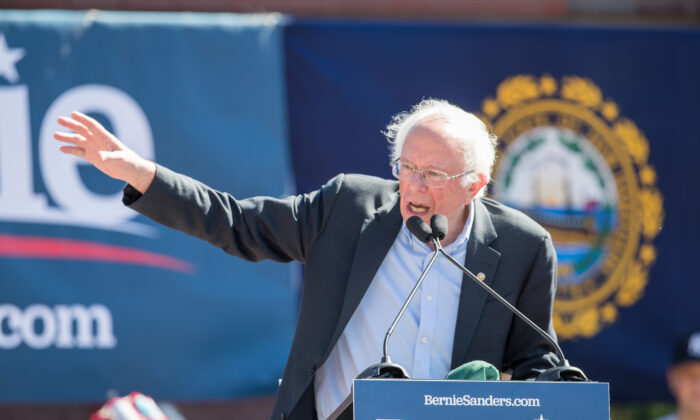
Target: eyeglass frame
397	161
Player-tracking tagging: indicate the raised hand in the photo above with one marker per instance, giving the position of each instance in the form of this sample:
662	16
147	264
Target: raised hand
92	142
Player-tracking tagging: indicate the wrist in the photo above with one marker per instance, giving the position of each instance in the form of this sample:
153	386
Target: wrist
143	174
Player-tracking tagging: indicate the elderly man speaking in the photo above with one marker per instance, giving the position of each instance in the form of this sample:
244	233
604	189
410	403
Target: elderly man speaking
361	260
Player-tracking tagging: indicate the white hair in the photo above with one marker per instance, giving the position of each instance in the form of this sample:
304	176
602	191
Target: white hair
468	129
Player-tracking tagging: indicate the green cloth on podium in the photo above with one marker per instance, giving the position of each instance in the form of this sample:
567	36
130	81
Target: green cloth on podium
476	370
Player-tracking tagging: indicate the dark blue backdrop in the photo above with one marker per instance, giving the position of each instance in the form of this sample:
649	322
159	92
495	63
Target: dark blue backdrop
346	79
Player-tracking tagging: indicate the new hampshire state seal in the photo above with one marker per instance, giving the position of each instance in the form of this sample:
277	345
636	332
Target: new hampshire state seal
569	160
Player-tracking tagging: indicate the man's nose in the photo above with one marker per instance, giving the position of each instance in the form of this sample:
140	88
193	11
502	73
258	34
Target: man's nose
417	181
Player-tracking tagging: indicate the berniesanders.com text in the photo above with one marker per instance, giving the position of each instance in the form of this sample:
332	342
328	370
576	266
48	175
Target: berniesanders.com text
490	401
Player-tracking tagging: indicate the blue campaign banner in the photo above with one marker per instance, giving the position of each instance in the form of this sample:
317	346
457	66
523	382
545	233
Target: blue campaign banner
94	298
598	132
399	399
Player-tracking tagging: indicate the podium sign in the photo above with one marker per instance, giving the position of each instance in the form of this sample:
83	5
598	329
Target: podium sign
377	399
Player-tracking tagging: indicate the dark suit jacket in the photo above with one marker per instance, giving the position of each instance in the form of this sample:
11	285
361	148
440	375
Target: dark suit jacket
342	233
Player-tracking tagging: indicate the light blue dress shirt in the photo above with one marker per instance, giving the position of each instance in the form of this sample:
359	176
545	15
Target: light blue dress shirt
422	341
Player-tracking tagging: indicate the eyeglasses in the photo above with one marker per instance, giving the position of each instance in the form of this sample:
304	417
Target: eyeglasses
431	177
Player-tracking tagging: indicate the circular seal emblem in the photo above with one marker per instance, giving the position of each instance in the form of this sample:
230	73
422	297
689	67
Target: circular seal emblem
569	160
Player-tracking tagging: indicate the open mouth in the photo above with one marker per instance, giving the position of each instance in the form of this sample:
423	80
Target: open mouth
417	208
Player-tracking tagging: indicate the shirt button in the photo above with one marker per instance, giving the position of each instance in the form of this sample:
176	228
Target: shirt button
429	298
424	340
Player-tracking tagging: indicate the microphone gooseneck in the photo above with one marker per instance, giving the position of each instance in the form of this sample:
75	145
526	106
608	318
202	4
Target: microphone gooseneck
564	372
423	232
387	369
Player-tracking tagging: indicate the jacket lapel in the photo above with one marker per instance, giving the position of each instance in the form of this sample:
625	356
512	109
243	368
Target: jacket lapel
377	236
480	258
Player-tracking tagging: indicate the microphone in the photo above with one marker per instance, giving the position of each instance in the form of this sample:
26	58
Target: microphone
419	228
564	372
438	225
386	368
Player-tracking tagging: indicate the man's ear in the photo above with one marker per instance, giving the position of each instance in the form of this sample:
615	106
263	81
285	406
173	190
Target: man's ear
475	187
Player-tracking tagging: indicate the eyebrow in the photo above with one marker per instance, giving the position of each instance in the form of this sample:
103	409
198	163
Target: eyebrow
428	167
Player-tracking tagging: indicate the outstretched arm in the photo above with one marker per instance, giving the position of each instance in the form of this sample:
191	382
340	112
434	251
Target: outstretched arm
92	142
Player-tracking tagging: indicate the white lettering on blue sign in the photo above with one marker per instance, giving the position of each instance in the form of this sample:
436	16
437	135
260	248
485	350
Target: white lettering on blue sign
469	401
76	204
63	326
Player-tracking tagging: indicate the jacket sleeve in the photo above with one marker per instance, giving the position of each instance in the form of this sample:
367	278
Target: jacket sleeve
254	229
527	353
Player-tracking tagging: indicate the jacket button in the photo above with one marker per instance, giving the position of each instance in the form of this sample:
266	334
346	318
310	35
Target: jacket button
281	416
312	369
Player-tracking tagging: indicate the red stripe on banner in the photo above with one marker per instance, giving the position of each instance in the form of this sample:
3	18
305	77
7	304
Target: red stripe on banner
70	249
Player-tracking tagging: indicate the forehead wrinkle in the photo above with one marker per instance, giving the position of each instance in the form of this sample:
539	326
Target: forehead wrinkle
435	130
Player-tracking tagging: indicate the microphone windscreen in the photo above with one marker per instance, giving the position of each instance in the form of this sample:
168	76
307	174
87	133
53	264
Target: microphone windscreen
438	223
419	228
476	370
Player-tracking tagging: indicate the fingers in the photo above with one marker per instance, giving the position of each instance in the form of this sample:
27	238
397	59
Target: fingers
69	138
73	150
88	122
74	125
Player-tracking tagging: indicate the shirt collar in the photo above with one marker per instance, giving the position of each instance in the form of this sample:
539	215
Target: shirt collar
458	245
